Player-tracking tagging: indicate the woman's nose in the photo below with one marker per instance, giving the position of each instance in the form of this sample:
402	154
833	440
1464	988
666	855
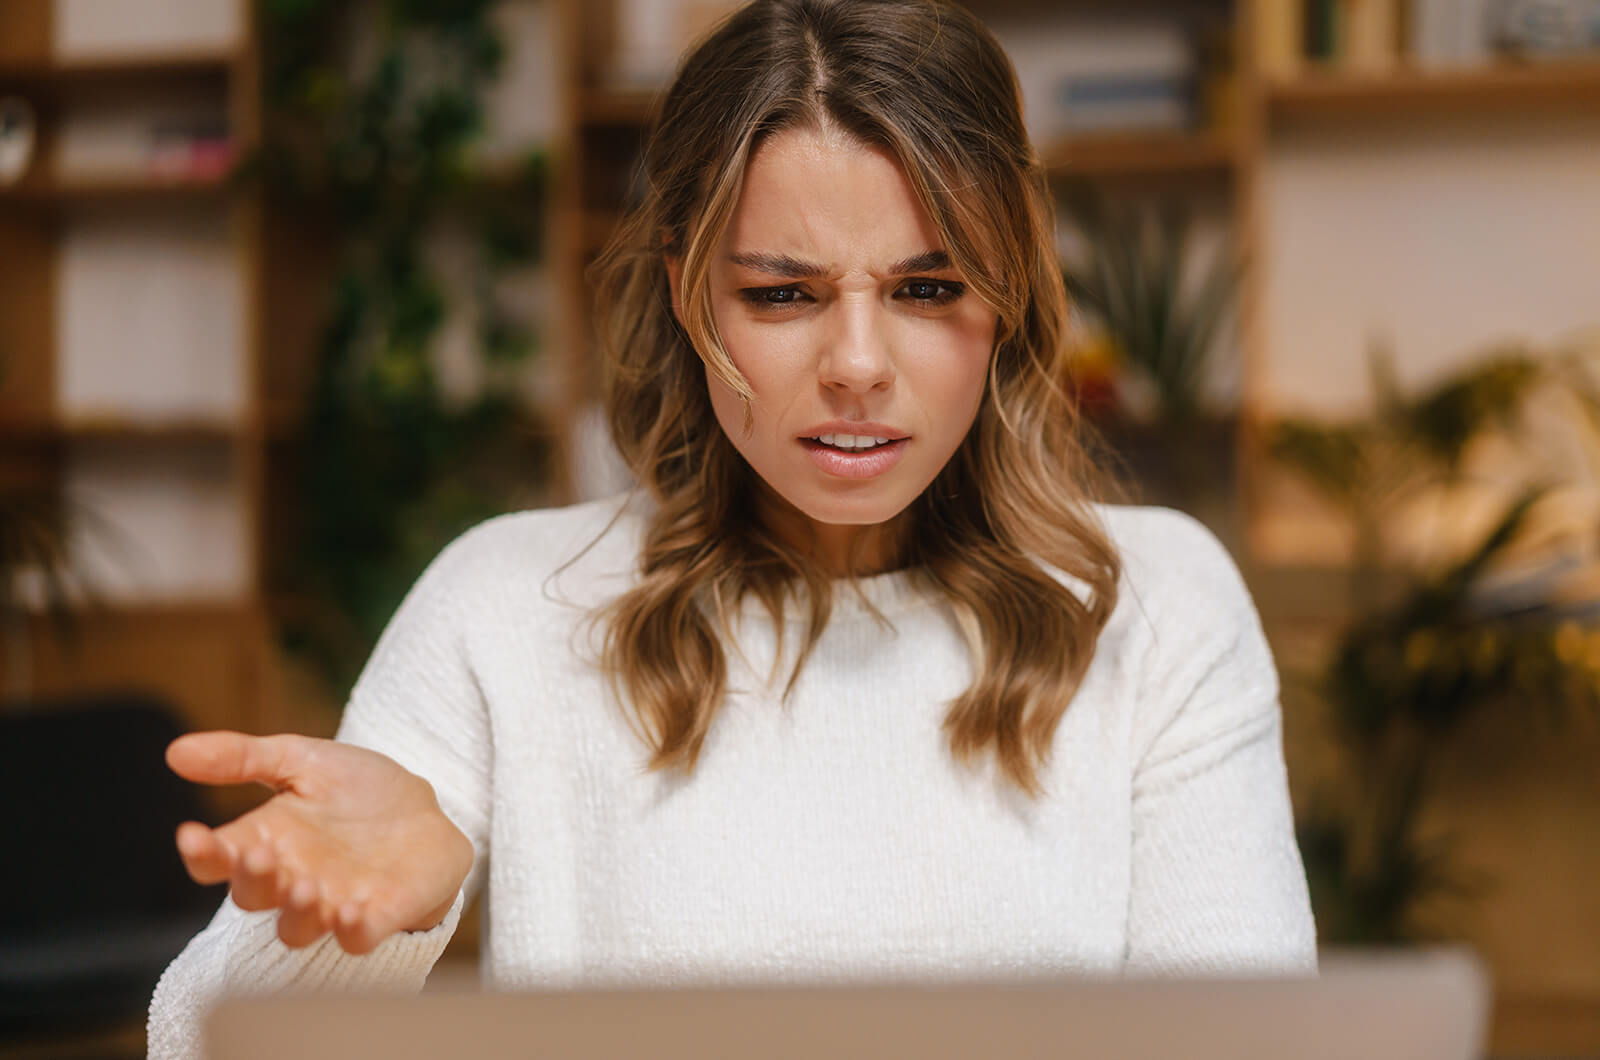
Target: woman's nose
856	356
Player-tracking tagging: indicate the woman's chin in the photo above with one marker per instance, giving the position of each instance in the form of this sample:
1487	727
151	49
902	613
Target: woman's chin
855	504
854	513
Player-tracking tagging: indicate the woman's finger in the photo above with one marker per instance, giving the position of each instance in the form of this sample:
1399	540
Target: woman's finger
302	918
355	927
206	858
349	929
255	879
382	915
236	758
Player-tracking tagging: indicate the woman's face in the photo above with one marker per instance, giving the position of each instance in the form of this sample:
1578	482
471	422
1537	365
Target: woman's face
866	350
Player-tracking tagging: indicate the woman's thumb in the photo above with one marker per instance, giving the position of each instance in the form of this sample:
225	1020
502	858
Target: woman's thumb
236	758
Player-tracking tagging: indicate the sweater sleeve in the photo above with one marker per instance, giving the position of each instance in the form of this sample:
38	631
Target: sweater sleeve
418	702
1217	884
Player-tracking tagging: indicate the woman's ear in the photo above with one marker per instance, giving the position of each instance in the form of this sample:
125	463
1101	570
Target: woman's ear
675	285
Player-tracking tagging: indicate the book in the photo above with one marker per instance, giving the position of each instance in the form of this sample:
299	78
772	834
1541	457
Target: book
1546	29
156	133
1450	34
1084	73
200	151
1371	35
1125	102
1280	35
1323	30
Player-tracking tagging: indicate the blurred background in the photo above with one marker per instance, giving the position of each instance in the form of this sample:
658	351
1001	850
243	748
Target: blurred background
292	292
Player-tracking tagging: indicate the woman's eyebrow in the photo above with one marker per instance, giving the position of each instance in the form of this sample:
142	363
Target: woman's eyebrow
778	265
927	261
795	269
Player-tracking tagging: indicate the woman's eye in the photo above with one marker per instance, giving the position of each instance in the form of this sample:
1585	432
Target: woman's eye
932	292
769	297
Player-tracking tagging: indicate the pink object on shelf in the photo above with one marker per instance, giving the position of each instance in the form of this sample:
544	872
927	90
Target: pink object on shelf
206	159
210	159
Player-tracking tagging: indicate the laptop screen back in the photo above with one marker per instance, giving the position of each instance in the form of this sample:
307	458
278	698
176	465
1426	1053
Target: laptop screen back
1417	1006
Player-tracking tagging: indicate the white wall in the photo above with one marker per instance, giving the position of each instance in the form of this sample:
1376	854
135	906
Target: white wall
153	525
1441	235
86	28
151	310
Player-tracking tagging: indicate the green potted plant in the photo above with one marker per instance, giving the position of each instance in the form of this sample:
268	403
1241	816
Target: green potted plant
378	138
38	576
1158	308
1424	651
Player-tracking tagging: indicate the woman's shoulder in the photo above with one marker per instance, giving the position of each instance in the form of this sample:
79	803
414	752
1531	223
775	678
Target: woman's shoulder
555	531
580	546
1172	562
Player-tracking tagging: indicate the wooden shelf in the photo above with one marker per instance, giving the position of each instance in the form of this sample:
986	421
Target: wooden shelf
174	609
53	192
173	432
116	66
1466	91
1143	154
50	78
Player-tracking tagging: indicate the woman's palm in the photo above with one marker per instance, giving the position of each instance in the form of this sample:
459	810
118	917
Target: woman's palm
351	842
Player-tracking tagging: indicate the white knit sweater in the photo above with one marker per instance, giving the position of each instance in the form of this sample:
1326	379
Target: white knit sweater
830	839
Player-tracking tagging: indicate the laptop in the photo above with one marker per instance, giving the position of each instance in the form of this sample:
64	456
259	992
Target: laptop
1416	1005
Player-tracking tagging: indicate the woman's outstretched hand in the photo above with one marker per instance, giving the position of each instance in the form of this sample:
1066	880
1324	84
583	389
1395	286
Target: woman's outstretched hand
351	843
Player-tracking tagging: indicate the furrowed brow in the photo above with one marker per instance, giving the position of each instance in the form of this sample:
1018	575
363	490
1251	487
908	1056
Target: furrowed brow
927	261
778	265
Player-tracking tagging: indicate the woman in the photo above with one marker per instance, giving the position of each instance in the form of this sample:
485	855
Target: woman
859	684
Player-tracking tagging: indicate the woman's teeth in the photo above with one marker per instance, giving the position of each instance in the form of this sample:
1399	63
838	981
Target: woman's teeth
852	441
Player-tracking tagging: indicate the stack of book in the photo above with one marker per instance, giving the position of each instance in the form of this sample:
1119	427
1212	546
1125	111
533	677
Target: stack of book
196	150
178	139
1546	29
1089	75
1375	35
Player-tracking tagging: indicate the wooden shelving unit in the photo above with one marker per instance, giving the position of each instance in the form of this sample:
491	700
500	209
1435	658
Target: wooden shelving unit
1465	91
159	63
1184	155
55	194
179	432
44	77
204	651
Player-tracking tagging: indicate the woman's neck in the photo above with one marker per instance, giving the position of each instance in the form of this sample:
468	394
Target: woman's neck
841	550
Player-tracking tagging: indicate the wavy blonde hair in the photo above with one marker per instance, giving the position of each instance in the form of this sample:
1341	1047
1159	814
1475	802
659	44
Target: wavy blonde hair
927	82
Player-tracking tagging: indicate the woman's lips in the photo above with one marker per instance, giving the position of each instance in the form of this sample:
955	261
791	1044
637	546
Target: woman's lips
868	463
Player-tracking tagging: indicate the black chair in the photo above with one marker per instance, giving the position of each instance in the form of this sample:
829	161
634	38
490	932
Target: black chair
94	901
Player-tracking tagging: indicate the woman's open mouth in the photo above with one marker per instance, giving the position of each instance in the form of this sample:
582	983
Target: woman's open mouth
854	455
851	443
